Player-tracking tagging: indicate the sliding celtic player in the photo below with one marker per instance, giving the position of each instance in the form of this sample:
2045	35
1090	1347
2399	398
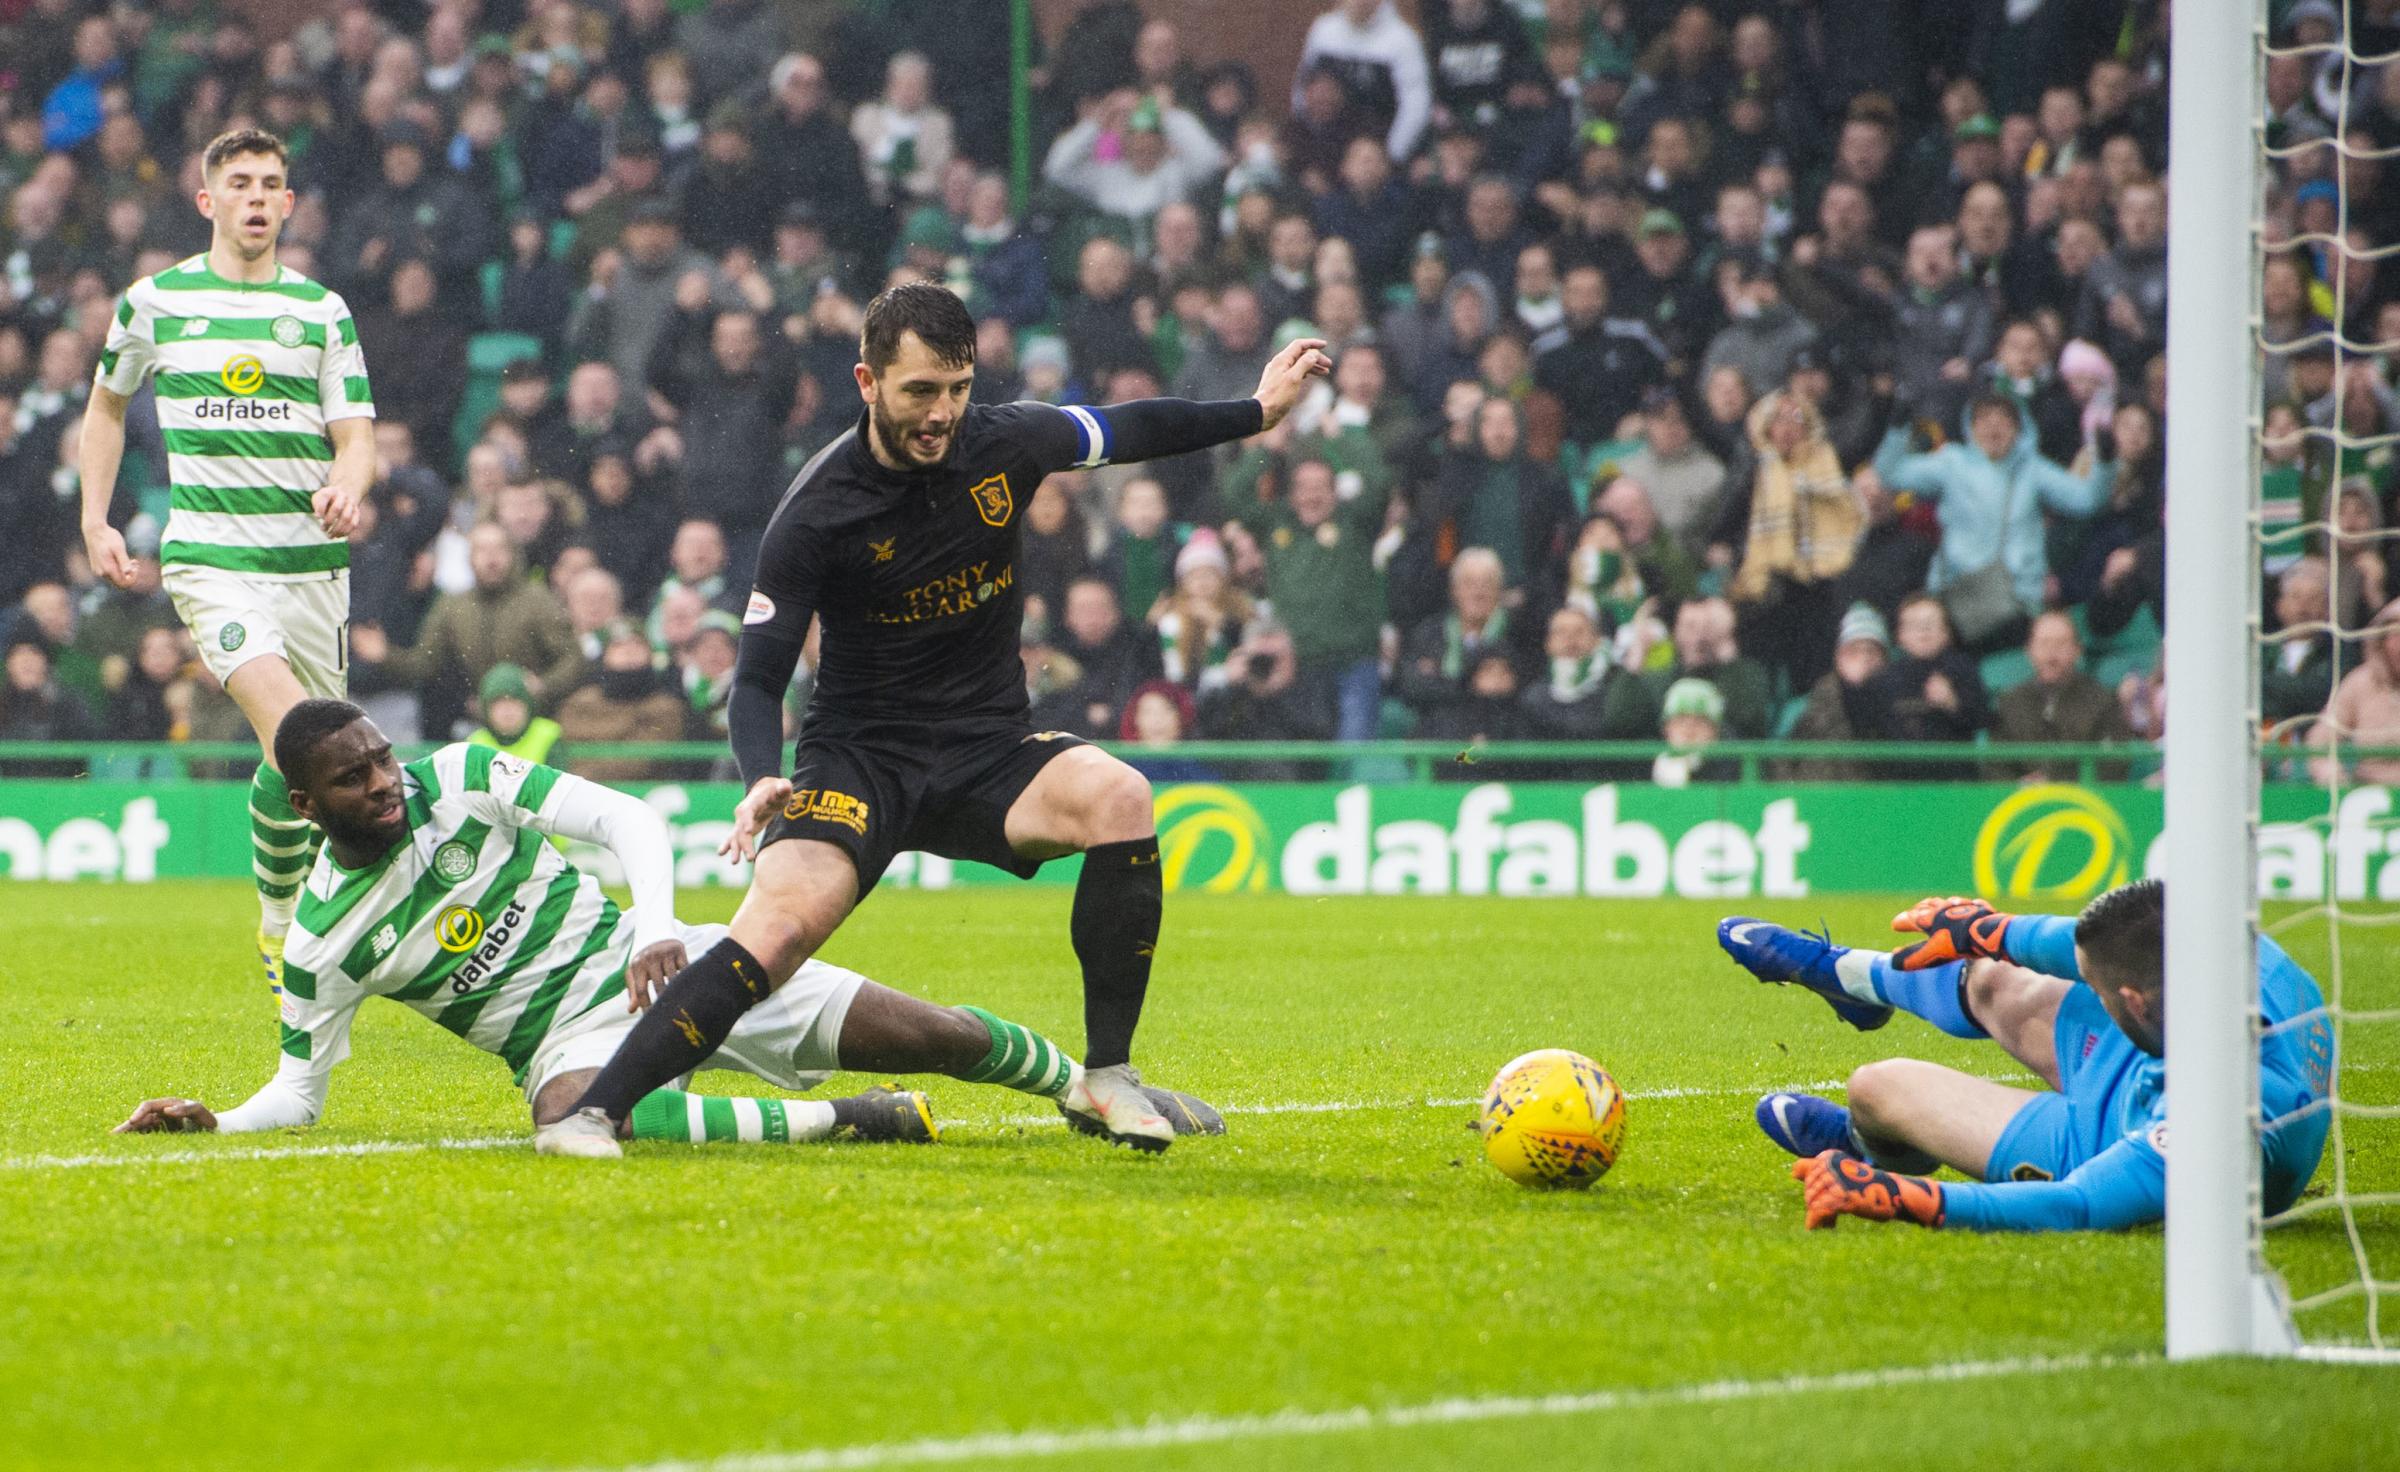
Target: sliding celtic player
438	889
262	393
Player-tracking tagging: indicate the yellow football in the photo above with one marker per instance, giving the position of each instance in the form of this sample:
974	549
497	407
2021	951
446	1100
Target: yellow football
1553	1118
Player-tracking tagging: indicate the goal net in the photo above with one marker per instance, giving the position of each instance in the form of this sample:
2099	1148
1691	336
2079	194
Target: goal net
2280	811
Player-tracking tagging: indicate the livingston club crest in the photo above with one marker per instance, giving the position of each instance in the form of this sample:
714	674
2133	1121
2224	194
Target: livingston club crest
992	500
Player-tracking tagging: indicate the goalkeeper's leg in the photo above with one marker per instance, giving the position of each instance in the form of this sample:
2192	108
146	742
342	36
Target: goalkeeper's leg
2018	1007
1909	1115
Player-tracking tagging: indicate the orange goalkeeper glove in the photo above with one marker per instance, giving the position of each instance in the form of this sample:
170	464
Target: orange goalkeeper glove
1955	929
1840	1184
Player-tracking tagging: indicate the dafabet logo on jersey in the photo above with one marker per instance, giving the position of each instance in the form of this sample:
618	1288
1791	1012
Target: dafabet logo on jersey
459	929
827	806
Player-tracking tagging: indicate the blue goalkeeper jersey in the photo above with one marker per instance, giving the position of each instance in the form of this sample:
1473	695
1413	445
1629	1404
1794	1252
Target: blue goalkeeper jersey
2122	1181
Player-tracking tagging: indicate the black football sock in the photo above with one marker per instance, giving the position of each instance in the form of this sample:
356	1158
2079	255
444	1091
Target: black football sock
1115	926
688	1022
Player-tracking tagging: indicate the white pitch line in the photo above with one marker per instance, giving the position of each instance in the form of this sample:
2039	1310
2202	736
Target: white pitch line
498	1142
257	1152
1294	1422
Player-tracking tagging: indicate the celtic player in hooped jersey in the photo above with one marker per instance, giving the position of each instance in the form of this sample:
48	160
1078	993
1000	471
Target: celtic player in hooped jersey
263	397
438	889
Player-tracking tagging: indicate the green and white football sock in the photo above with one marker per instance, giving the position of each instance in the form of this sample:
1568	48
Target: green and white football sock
282	847
1021	1059
705	1119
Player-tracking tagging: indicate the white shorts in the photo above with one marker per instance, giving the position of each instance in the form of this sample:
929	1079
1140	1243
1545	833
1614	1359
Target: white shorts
237	617
792	1039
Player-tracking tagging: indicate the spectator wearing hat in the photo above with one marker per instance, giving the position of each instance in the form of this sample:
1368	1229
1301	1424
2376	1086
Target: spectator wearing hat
509	724
1202	617
34	706
1691	718
413	212
1153	157
1837	708
1974	158
1761	331
2059	704
1660	289
704	668
1930	691
1595	365
1322	578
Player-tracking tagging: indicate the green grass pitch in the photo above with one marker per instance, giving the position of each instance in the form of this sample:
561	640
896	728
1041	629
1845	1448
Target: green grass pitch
1343	1254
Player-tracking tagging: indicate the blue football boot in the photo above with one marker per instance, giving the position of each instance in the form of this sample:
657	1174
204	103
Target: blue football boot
1777	953
1804	1124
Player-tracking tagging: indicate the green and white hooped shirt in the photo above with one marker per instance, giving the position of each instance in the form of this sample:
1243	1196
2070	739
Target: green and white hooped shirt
249	376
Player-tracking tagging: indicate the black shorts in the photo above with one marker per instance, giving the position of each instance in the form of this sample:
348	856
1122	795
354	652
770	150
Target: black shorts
942	788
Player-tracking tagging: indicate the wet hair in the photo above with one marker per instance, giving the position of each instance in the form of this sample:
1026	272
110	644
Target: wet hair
304	728
934	313
2123	934
237	142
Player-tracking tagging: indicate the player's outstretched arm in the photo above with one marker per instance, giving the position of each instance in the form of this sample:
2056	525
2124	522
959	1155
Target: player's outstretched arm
2122	1186
1153	429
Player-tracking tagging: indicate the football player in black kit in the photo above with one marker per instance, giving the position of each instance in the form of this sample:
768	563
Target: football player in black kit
901	537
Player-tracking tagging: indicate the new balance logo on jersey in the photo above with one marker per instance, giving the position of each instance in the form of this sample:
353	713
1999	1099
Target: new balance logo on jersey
197	327
385	939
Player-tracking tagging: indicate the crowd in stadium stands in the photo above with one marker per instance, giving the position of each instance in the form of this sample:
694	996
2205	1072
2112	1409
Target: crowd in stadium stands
1703	370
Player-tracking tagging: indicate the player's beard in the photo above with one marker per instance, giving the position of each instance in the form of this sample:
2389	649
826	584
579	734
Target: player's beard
901	444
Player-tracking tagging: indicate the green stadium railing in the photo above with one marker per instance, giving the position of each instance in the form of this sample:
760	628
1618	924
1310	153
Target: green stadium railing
1421	760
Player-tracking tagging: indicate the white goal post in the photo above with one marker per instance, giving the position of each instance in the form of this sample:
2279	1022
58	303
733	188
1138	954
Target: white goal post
2221	1298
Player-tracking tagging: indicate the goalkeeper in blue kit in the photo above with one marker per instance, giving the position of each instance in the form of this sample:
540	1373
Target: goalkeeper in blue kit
2080	1002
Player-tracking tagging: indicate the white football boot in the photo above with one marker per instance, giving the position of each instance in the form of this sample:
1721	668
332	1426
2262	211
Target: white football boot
587	1134
1109	1102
